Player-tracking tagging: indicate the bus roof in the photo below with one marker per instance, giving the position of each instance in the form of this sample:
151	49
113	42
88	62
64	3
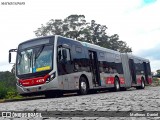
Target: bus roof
99	47
90	45
137	57
36	39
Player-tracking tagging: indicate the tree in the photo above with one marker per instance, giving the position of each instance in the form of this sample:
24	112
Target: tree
8	78
13	69
158	72
116	44
7	85
76	27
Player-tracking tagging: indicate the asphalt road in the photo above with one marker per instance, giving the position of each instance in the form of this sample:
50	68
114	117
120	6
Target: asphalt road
131	101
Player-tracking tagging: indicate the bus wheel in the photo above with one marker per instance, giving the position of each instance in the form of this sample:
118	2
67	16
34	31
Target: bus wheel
142	85
83	86
116	84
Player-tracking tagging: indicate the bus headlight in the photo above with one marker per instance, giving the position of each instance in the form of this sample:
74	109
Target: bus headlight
18	83
48	80
51	77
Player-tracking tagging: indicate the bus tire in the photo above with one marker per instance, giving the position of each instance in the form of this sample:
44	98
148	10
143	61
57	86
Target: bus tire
142	85
83	86
116	84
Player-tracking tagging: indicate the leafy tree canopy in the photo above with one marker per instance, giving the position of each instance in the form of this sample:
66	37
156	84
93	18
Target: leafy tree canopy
158	73
76	27
7	85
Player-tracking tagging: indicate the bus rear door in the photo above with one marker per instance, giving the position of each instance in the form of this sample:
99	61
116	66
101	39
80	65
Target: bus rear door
132	70
94	68
146	72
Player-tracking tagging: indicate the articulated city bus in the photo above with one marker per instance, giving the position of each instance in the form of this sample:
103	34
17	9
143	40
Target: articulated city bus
53	65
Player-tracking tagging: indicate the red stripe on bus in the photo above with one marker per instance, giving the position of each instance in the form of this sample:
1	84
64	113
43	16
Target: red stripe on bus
33	81
139	80
122	80
150	80
110	80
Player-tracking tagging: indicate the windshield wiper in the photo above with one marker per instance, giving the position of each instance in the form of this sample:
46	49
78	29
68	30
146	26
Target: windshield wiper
37	53
29	57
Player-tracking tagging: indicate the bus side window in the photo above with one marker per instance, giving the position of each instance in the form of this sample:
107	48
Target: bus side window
63	54
59	54
66	54
64	61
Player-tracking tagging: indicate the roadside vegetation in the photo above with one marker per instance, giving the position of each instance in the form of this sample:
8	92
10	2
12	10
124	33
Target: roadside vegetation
156	81
156	78
8	86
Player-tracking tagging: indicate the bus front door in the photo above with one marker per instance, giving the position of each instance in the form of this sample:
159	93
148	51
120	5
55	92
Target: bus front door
94	68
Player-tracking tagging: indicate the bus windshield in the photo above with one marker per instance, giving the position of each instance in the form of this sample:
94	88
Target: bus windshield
35	59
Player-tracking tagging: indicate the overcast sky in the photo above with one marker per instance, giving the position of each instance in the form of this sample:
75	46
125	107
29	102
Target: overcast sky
136	21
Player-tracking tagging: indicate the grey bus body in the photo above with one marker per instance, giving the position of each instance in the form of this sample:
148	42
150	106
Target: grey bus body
135	68
75	66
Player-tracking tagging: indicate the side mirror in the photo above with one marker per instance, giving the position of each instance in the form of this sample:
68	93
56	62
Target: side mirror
9	57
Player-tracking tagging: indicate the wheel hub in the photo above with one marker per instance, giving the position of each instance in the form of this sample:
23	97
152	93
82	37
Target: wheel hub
117	85
83	85
142	84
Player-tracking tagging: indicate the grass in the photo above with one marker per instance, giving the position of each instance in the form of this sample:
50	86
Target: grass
156	81
8	92
11	97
